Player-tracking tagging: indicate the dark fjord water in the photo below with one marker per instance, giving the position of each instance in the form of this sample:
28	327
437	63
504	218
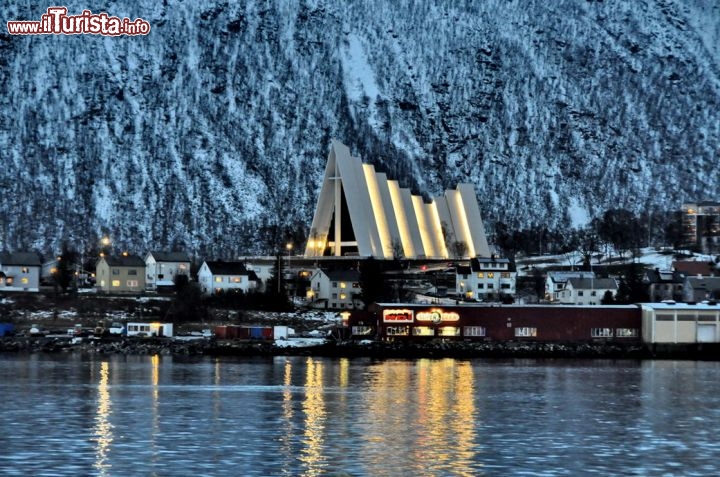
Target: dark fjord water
71	415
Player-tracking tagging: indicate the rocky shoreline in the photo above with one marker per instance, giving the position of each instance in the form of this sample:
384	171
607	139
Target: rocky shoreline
351	349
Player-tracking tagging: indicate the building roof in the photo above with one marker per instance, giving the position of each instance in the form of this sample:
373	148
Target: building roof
20	258
342	275
492	261
169	256
664	276
124	261
463	270
706	283
563	276
696	268
218	267
593	283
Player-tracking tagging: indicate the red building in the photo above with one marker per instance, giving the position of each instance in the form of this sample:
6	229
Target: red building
546	323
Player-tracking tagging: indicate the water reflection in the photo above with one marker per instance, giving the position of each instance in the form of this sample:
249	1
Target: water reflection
440	413
314	410
103	427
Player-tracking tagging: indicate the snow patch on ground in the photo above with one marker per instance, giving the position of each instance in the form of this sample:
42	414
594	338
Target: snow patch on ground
579	216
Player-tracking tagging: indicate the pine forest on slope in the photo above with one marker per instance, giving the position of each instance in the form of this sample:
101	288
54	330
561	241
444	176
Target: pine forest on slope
210	134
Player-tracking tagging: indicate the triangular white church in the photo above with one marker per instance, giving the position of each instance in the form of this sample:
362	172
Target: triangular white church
361	212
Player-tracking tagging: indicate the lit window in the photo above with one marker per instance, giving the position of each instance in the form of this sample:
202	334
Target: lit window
132	283
474	331
397	331
116	283
422	331
626	332
449	331
218	279
481	275
601	332
343	296
342	285
505	275
25	270
526	331
491	275
236	279
9	281
182	266
24	280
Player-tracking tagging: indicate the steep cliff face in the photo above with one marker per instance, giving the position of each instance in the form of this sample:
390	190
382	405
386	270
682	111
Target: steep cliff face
211	133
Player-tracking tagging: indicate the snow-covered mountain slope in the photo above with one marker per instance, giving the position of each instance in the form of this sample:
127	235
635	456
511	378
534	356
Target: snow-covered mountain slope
211	133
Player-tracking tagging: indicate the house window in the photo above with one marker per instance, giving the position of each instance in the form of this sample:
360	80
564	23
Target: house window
481	275
481	286
236	279
218	279
362	330
580	293
490	286
343	296
334	284
334	296
626	332
505	286
526	332
116	283
356	285
491	275
182	266
25	270
474	331
132	272
132	283
116	271
24	280
505	275
465	276
343	285
593	293
601	332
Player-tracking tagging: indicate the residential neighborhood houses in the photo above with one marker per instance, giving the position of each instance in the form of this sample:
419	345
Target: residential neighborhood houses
318	284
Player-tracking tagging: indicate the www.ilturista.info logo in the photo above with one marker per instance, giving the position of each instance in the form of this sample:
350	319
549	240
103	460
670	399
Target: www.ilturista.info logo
57	22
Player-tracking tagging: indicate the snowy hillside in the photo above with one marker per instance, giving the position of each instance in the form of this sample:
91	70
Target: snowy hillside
211	133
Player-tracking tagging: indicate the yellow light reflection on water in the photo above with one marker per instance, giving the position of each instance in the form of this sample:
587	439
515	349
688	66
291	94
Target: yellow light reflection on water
103	428
314	409
155	378
436	425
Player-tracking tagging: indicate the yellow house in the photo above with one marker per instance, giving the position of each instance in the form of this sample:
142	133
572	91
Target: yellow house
123	274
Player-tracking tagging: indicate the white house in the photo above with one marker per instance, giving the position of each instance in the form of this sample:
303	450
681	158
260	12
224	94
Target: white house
485	279
555	282
218	276
20	272
587	291
335	289
161	268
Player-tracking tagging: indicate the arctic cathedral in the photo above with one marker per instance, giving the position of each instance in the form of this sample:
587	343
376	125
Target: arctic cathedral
362	213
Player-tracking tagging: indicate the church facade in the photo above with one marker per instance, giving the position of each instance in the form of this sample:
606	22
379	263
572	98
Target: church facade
362	212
